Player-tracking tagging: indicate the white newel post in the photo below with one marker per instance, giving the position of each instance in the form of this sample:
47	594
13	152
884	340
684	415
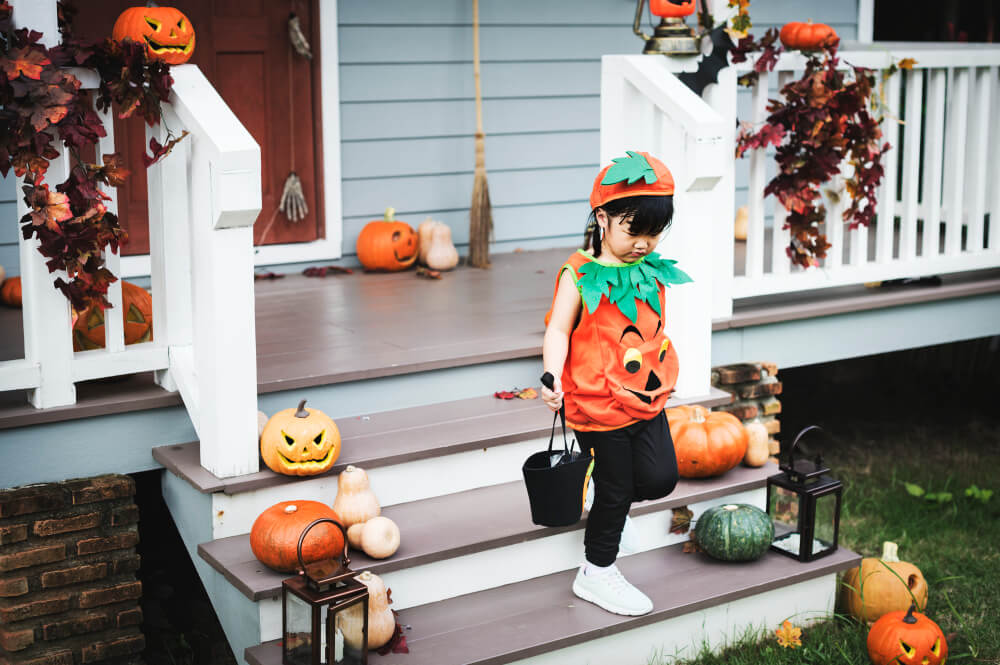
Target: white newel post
47	322
689	137
225	195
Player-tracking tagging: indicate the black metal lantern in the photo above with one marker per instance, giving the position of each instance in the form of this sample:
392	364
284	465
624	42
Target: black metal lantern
803	502
324	612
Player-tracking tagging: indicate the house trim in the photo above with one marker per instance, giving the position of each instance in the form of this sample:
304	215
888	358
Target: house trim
866	21
330	244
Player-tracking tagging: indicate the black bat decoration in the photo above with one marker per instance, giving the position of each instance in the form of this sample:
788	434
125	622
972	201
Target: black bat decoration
710	65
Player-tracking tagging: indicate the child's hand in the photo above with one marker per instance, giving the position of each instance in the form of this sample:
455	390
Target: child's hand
553	398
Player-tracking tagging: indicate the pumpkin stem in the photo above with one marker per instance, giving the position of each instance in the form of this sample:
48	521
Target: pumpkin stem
365	576
909	618
390	214
301	412
291	509
890	552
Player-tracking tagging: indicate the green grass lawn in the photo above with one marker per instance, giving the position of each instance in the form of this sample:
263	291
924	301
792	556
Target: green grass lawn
927	418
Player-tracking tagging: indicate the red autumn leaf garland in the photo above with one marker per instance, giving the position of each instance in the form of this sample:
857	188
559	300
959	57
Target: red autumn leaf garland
41	103
822	122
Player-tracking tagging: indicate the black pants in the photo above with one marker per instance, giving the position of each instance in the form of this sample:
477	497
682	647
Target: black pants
634	463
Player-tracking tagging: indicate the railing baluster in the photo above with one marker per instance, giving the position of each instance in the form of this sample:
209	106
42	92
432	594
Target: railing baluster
958	102
835	222
114	328
885	225
780	237
979	131
994	183
911	165
758	180
933	156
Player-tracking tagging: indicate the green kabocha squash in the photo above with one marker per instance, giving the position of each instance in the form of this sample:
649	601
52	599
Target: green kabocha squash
734	532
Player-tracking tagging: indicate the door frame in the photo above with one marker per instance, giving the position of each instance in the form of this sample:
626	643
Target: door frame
326	114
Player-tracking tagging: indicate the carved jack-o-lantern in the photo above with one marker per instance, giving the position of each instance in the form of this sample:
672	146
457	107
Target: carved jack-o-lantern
137	316
907	638
300	442
166	32
671	8
387	244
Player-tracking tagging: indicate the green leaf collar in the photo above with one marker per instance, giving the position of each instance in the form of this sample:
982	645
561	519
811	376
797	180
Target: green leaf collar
627	284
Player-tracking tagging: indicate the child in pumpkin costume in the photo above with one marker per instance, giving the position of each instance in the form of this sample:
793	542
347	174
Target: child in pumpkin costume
612	364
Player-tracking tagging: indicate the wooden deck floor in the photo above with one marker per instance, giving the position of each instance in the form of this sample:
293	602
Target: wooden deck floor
314	331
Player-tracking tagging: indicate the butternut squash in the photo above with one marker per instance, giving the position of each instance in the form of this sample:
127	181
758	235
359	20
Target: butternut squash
381	621
355	502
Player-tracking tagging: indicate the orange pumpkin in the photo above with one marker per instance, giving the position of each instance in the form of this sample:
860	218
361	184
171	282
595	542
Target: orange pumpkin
10	292
808	36
882	585
300	442
274	536
906	638
707	443
387	244
671	8
137	316
166	32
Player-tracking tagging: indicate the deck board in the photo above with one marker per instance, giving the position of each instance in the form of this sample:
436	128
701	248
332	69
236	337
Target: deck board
536	616
341	328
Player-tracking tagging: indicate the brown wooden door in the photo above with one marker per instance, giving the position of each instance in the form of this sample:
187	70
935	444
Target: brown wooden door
244	50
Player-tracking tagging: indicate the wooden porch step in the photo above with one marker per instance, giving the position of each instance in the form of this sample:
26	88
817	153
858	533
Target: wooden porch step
403	435
460	524
542	615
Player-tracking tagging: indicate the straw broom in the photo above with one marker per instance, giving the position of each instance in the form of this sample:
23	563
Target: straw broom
480	213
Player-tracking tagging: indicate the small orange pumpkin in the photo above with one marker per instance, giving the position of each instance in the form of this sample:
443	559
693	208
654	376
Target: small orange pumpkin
274	536
10	292
137	316
671	8
300	442
707	443
882	585
387	244
166	32
808	36
907	638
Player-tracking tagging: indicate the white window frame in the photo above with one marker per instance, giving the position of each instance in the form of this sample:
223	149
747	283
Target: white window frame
330	246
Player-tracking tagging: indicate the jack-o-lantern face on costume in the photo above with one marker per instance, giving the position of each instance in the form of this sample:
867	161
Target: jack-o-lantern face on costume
912	639
166	32
644	366
300	442
671	8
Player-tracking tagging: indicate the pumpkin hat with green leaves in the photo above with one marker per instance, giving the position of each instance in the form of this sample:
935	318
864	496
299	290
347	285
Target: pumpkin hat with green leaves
636	174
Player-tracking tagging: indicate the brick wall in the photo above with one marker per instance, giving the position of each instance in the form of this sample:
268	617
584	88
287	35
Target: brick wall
68	591
755	387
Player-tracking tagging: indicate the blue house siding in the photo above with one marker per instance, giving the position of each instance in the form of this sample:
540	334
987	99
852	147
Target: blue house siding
8	225
408	113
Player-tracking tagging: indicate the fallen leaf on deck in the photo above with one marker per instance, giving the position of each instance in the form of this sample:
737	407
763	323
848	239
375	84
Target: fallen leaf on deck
528	393
267	275
505	394
428	273
321	271
680	520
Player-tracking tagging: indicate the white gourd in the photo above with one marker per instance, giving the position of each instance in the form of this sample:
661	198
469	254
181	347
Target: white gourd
441	253
381	621
355	500
380	537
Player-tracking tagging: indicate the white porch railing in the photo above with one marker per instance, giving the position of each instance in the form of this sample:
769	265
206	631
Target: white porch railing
203	200
948	186
645	107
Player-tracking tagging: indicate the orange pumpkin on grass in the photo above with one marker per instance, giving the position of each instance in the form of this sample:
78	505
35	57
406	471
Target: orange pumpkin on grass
274	537
137	316
387	244
808	36
907	638
166	32
707	443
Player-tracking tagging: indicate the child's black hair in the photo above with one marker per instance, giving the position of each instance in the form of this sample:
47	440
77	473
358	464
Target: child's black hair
648	215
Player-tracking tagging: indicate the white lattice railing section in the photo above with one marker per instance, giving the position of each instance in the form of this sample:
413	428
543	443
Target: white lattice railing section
203	200
949	105
645	107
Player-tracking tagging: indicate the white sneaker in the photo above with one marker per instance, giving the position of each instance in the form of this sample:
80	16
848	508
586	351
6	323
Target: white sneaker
612	592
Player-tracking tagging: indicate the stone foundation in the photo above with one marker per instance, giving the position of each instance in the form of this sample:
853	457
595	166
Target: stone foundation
68	590
754	387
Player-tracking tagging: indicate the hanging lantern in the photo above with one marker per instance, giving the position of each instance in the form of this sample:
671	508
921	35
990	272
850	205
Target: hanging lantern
321	610
672	36
803	502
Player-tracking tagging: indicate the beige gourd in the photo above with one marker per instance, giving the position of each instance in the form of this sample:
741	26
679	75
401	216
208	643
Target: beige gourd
355	502
381	621
441	252
424	239
261	423
757	448
354	535
741	223
380	537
